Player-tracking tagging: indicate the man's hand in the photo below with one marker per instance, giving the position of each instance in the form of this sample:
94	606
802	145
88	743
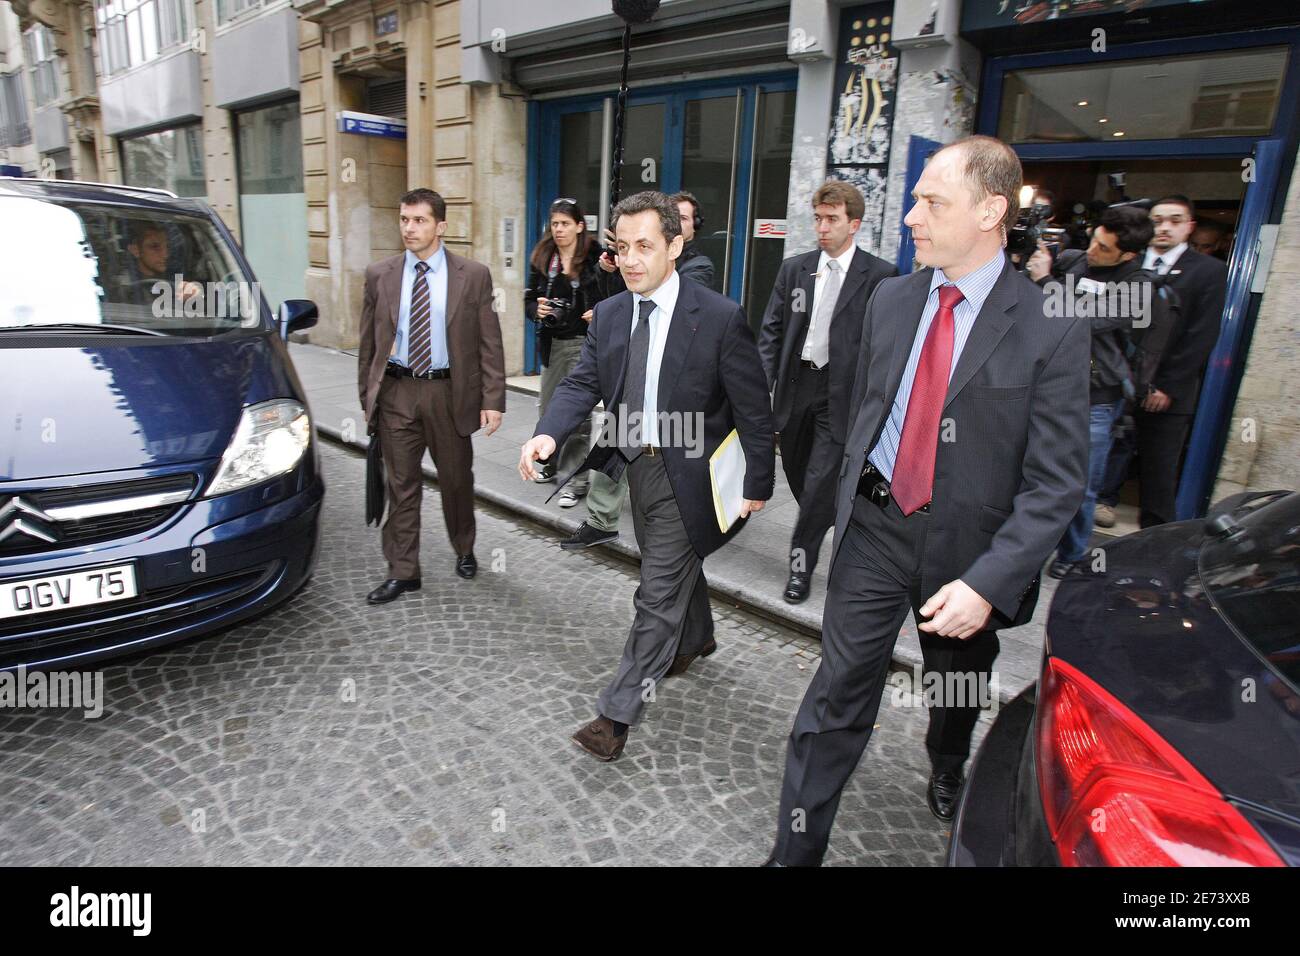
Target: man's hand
1156	401
587	316
1039	266
540	446
189	290
608	261
955	610
489	419
748	507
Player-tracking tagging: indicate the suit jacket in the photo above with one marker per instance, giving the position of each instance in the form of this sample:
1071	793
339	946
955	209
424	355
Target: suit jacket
1007	485
474	349
1201	283
781	339
710	371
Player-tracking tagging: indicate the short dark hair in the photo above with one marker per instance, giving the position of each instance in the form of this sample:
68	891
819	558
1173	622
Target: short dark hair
681	197
670	217
1130	225
1177	199
422	195
142	227
839	192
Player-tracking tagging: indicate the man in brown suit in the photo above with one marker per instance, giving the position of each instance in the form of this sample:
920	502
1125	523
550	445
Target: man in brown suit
431	371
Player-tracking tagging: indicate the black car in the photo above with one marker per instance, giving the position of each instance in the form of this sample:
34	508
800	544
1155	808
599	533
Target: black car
1164	729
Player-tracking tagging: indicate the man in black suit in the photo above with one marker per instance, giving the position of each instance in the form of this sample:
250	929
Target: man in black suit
965	462
677	369
1164	417
809	344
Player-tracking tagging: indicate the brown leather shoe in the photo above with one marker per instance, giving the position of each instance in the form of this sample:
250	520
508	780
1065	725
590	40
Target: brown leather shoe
682	661
597	738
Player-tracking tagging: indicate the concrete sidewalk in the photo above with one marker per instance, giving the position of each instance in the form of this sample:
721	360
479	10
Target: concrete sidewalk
749	572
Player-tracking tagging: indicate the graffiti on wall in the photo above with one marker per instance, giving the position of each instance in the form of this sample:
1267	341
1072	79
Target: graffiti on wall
862	114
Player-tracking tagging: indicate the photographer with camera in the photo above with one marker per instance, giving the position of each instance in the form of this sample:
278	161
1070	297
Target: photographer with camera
564	284
1130	326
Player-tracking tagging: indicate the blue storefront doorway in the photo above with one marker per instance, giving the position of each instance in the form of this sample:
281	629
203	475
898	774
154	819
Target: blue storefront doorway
726	142
1208	114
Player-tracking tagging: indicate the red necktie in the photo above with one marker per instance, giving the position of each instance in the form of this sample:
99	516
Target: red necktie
912	484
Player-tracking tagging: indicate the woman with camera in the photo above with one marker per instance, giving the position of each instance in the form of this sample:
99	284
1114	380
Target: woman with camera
564	285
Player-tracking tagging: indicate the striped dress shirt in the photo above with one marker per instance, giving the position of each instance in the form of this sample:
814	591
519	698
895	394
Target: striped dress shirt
975	288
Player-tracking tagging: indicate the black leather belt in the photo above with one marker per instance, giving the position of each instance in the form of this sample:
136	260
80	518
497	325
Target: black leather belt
873	486
401	371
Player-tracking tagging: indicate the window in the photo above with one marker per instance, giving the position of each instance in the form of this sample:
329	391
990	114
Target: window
1214	94
15	128
40	54
228	10
90	262
171	159
133	32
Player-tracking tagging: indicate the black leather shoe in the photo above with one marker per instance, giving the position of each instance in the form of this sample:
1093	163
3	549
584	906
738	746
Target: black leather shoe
467	565
391	590
942	794
1059	569
587	537
797	588
682	661
772	861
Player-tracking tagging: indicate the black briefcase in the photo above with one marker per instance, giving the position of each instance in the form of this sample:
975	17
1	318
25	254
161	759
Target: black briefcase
374	482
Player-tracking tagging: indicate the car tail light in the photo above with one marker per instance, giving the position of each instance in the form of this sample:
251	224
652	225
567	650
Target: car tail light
1115	793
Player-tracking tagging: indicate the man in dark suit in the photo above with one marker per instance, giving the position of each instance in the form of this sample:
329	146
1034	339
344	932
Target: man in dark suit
809	344
965	462
1164	417
677	369
431	371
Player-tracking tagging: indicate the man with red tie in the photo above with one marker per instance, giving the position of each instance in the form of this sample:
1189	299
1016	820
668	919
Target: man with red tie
965	461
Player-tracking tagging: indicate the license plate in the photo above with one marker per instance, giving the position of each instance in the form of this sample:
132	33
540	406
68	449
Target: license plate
59	592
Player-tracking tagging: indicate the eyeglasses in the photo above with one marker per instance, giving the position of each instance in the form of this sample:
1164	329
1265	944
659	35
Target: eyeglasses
564	201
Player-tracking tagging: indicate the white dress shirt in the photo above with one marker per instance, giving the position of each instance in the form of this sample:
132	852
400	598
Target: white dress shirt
665	300
1167	259
823	275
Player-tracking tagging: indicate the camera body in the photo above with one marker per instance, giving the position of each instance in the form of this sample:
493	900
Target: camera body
1030	228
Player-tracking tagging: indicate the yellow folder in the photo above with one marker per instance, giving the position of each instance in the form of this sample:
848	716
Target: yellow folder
727	476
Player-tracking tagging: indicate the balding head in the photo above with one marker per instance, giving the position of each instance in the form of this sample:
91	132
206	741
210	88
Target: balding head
966	199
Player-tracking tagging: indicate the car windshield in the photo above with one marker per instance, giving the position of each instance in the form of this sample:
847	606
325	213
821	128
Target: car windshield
74	265
1254	579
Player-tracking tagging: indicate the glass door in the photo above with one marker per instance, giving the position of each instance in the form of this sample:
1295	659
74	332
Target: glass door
728	144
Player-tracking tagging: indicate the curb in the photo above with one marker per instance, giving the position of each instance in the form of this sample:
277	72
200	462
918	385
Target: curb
805	622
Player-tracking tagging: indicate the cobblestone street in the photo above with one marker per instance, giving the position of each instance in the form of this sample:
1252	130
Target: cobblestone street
435	730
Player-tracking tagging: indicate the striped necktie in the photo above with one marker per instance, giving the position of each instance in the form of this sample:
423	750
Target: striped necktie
419	344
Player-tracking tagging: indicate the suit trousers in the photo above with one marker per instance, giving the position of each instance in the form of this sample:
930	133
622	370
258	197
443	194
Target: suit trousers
810	457
1160	440
672	601
414	415
874	582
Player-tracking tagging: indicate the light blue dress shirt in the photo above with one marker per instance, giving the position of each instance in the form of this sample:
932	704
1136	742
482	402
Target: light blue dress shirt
665	300
436	278
975	288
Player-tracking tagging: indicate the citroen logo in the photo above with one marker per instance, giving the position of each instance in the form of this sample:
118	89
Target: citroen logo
22	517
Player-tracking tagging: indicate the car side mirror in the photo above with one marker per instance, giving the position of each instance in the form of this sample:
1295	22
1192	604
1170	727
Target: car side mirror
296	315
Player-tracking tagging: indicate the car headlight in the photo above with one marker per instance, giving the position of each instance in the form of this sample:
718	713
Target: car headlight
269	441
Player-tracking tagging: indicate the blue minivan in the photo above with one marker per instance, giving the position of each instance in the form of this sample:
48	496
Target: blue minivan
159	475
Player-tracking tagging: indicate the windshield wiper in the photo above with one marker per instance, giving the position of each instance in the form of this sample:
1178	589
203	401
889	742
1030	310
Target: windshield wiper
103	328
